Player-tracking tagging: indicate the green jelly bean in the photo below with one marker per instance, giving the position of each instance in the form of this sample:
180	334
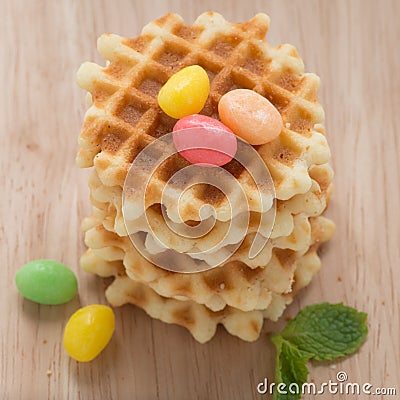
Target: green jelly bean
46	282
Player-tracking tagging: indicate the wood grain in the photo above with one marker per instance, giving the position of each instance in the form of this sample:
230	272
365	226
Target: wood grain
352	45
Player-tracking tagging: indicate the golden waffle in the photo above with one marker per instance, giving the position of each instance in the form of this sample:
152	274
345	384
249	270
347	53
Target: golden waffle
107	203
198	319
286	234
125	116
231	284
297	240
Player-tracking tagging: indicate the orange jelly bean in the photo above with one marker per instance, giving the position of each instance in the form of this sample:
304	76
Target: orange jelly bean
250	116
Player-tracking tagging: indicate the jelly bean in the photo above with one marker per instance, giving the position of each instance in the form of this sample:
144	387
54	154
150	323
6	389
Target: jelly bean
250	115
185	92
204	140
88	332
46	282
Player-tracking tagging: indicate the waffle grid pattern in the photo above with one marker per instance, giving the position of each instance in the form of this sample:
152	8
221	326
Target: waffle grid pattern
113	256
124	118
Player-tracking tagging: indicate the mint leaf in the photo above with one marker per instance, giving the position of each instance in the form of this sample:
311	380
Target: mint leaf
327	331
291	369
320	332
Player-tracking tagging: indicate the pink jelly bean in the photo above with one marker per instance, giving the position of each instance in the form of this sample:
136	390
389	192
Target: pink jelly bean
204	140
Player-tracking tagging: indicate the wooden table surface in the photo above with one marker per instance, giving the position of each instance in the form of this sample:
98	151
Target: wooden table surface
352	45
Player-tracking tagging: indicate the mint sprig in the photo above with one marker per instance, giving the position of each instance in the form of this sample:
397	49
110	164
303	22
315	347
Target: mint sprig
291	367
318	332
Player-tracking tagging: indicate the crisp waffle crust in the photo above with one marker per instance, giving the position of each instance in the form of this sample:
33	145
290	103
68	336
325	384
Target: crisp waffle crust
124	118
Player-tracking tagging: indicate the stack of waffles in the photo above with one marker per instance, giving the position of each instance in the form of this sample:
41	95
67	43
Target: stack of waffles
124	118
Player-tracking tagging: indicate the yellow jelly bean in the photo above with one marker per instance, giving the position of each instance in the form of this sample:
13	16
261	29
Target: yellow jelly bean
185	92
250	116
88	332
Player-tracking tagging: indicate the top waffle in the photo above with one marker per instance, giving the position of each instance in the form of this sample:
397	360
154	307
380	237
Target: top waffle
124	117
